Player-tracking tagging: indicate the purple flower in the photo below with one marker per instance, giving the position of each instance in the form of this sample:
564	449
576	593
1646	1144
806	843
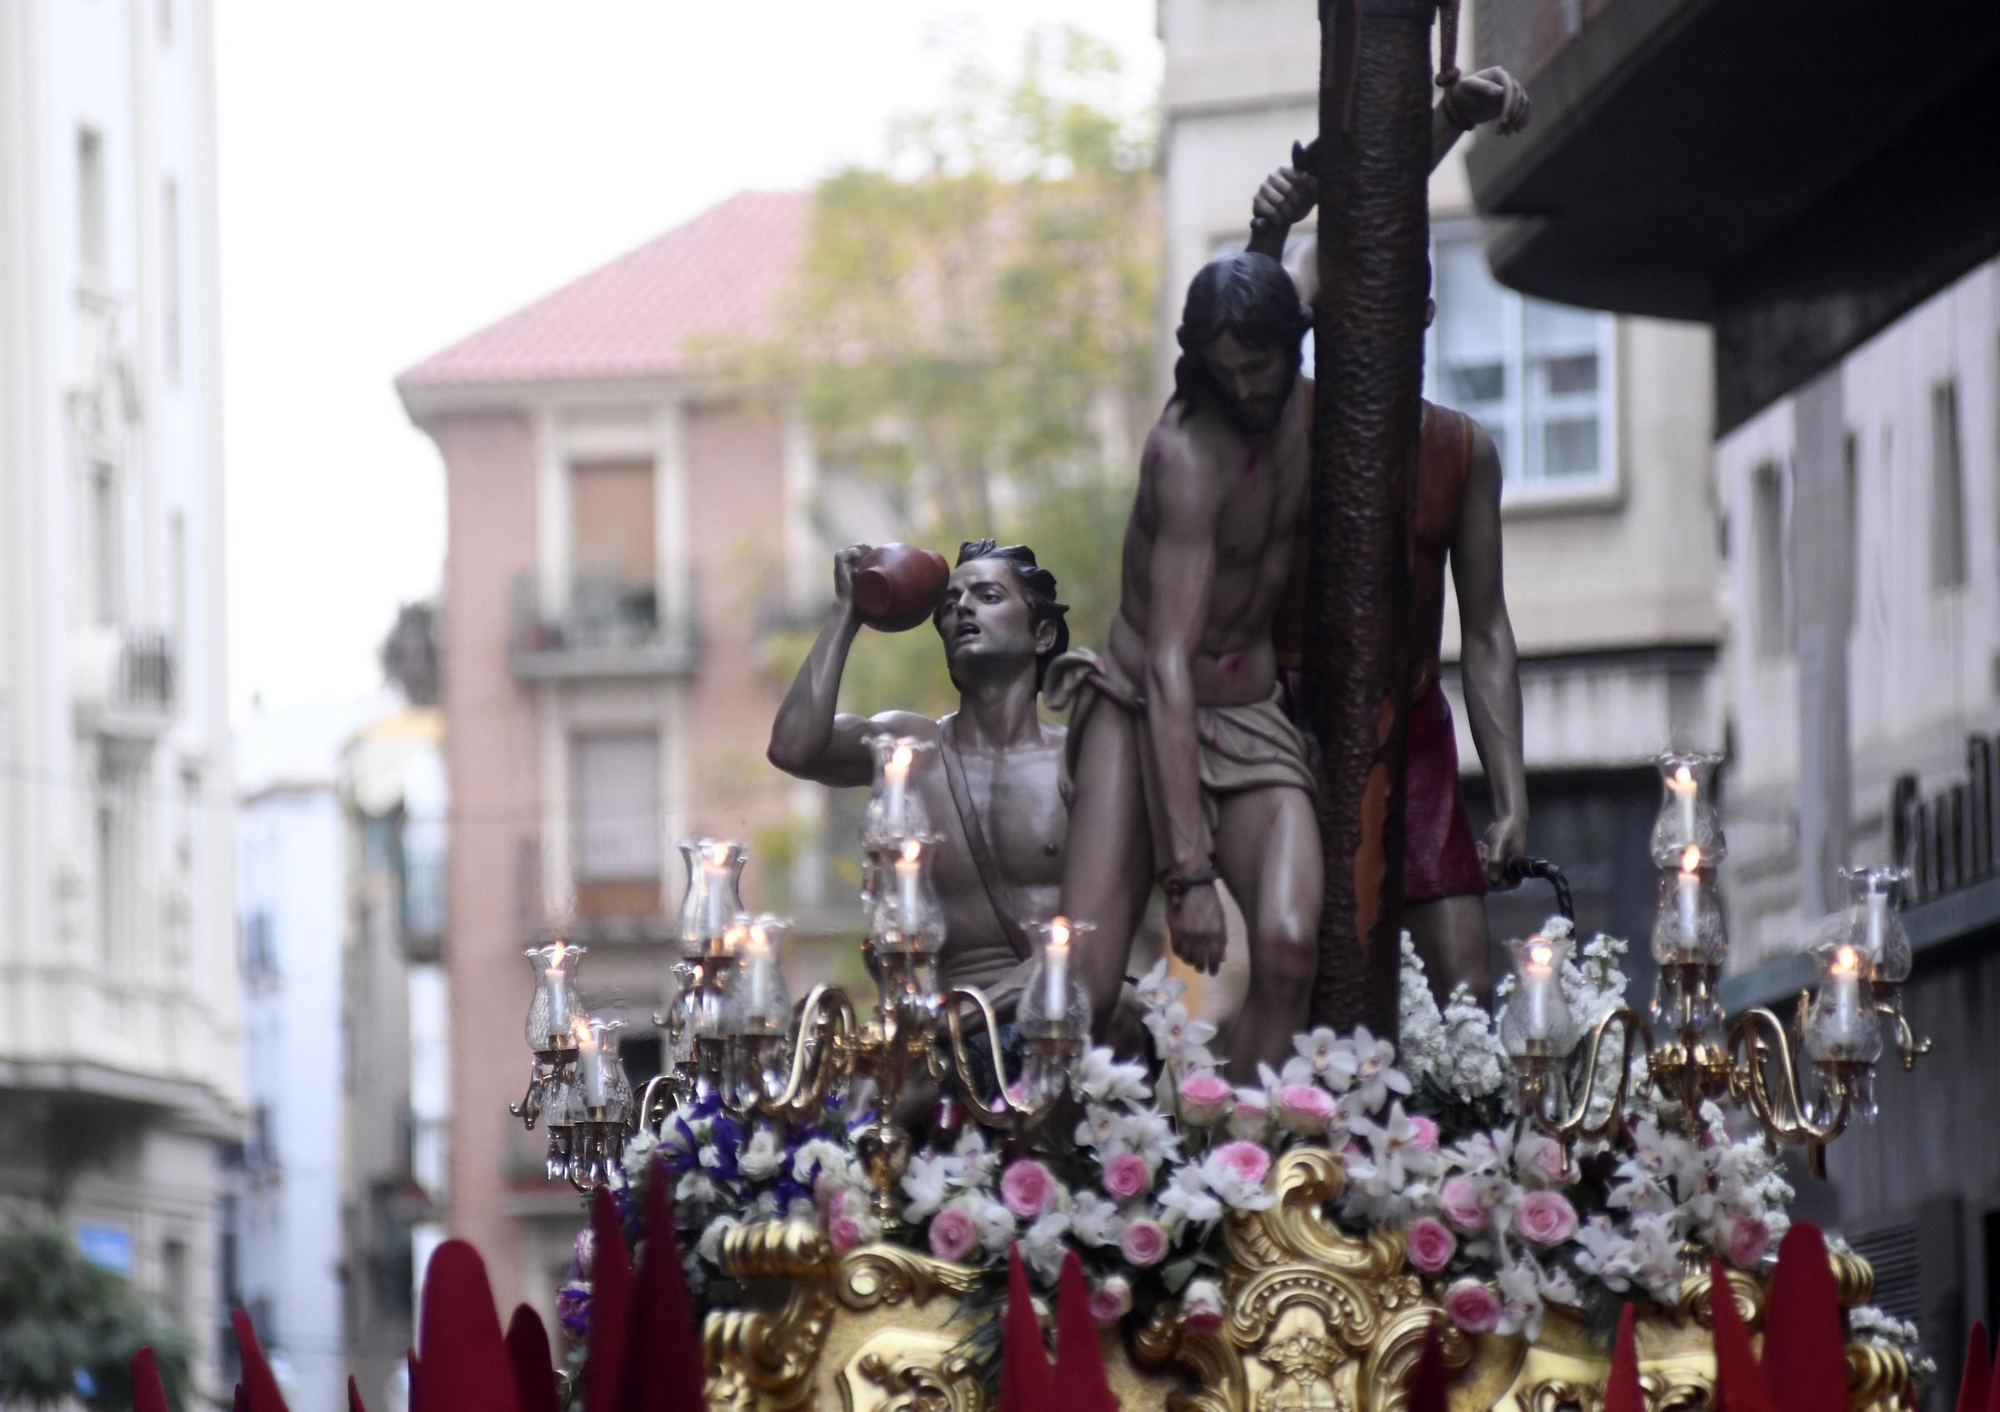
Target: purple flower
573	1309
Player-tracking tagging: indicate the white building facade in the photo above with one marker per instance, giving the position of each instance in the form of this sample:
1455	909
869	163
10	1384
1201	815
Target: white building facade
1603	426
1863	524
120	1080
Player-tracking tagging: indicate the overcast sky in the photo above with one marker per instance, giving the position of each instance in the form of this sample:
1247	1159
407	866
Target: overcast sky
398	173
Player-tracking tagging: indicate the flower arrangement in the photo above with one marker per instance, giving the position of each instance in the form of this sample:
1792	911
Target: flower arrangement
1498	1223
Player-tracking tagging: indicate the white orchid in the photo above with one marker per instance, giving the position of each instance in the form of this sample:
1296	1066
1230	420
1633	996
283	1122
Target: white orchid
1095	1220
1042	1245
1181	1039
927	1183
1520	1286
1187	1200
1097	1127
1102	1079
1157	989
1394	1146
1329	1058
1376	1075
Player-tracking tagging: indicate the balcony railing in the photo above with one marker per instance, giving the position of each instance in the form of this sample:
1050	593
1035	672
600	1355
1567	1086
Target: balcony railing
124	680
424	892
610	628
1949	841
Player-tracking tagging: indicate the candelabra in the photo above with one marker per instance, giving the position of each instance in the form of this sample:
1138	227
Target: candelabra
733	1037
1803	1085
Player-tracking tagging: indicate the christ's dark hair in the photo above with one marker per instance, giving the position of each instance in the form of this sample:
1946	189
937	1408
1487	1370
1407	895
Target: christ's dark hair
1038	586
1244	294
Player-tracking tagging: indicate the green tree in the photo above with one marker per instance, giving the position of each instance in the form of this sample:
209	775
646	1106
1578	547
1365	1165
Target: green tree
67	1325
971	330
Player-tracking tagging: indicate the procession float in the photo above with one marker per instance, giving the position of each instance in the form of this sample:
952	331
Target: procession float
1285	1243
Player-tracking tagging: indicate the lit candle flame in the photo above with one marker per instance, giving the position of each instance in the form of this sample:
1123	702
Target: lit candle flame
1846	961
557	959
718	853
734	937
580	1029
1540	953
760	940
1059	932
1683	781
1691	860
900	760
913	849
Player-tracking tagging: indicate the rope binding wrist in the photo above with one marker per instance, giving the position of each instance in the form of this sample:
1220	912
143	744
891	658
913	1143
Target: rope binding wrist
1178	885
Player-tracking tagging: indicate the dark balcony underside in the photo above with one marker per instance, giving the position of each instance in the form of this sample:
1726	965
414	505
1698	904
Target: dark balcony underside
1798	172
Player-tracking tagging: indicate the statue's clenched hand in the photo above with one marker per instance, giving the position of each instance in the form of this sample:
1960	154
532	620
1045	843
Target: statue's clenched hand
1287	194
1506	840
1195	923
1488	95
843	571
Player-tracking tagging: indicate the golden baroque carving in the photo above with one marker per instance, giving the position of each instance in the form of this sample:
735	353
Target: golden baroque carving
1320	1320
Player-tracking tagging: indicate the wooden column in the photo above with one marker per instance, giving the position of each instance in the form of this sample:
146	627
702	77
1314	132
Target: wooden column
1374	163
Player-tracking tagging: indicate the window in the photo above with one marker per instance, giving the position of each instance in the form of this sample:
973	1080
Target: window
1947	490
117	855
1767	560
611	505
263	1140
170	282
1536	375
177	565
617	794
174	1280
90	216
107	547
259	960
1851	466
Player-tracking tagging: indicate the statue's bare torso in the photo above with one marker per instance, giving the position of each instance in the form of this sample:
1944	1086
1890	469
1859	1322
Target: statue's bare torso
1257	489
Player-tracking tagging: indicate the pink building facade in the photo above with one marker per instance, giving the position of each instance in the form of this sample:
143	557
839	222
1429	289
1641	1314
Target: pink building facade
623	530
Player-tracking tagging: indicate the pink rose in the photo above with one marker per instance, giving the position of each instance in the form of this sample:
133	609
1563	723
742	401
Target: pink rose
1539	1156
1305	1109
1473	1307
1464	1202
1201	1307
1205	1099
1125	1176
1545	1217
1426	1139
1144	1242
1431	1245
1252	1113
1748	1240
1246	1159
1111	1301
844	1232
1028	1189
953	1234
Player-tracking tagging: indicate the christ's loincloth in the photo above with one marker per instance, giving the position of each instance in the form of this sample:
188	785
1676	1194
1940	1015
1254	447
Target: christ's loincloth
1238	748
1439	859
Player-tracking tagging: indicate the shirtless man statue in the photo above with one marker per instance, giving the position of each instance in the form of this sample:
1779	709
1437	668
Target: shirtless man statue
991	787
1187	771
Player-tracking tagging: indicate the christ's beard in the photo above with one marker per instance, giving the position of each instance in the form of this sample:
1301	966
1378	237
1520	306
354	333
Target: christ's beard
1261	417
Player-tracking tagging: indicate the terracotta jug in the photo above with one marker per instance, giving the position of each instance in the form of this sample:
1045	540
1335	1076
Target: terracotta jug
896	586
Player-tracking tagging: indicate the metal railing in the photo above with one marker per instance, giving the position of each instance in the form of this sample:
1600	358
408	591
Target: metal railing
610	627
1947	840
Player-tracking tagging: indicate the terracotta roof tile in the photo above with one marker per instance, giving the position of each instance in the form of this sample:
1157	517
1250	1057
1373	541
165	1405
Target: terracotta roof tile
720	274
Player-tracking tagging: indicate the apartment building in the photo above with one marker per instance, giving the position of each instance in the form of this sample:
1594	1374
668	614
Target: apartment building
120	1080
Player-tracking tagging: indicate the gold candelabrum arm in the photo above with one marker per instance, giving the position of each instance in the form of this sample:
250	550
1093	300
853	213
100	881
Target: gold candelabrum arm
1756	1042
1006	1111
1908	1047
1574	1125
827	1029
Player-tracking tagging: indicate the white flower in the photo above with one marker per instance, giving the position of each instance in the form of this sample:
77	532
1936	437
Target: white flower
1251	1118
709	1247
1157	990
1520	1287
1187	1200
977	1164
766	1206
995	1222
827	1157
1042	1245
1102	1079
1376	1075
1202	1300
761	1156
1094	1219
1332	1060
697	1188
926	1182
1393	1144
1233	1189
710	1156
1148	1134
1098	1126
1181	1039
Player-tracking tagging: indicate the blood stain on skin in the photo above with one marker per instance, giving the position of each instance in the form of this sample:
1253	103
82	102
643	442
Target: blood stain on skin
1249	470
